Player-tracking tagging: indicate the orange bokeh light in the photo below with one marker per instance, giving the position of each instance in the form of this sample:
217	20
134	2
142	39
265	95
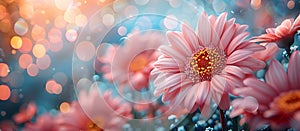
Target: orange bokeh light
16	42
64	107
4	92
44	62
4	70
32	70
39	50
25	60
26	46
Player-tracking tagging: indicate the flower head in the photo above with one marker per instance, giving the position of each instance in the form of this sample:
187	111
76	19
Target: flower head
200	66
278	98
95	112
283	34
132	62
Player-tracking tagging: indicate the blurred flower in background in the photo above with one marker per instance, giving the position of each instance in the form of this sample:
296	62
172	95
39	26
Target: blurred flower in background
52	51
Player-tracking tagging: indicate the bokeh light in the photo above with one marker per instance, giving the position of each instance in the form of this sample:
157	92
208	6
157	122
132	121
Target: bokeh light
32	70
64	107
85	50
21	27
4	69
39	50
26	45
38	33
16	42
43	62
4	92
52	87
71	35
63	4
25	60
108	19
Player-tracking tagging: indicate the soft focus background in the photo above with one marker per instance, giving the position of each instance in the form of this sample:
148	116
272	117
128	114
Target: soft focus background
40	40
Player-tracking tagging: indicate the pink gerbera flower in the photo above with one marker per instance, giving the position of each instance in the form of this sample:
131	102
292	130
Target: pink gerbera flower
278	98
204	65
132	62
95	112
283	34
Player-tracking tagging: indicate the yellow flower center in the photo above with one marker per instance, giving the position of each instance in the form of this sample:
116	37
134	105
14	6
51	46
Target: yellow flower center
289	102
138	63
94	125
204	64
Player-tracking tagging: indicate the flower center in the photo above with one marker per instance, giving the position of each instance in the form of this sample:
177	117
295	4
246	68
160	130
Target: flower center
138	63
289	102
204	64
94	125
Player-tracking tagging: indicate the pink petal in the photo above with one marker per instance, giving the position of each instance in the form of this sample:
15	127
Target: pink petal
167	63
281	31
224	102
240	29
295	24
184	84
178	42
227	37
238	55
276	77
260	87
252	63
172	80
232	82
252	46
204	30
249	104
293	70
235	71
220	23
206	109
202	92
270	30
287	23
191	37
270	113
218	83
169	51
248	91
270	52
190	98
236	112
236	42
212	19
